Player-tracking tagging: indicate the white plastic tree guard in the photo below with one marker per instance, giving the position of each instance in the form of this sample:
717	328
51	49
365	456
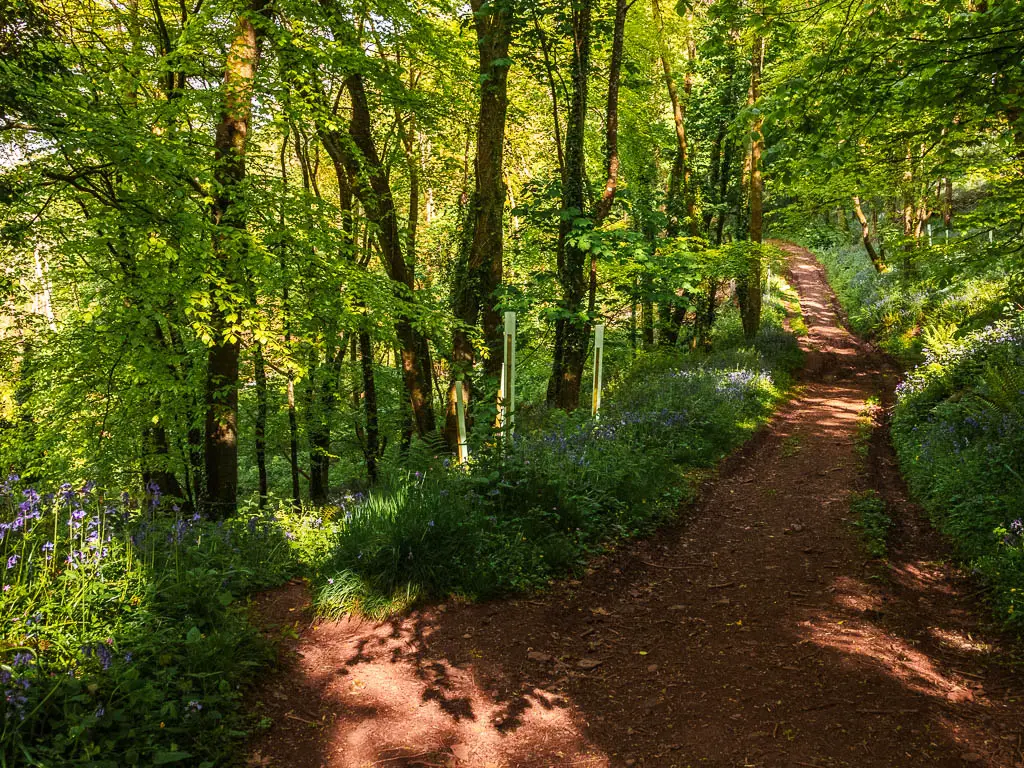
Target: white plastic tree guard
507	387
598	363
460	414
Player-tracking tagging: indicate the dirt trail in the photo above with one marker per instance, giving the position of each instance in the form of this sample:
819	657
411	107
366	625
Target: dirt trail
757	633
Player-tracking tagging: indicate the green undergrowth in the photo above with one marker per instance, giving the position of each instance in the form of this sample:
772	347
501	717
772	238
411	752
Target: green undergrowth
921	300
959	430
952	314
124	638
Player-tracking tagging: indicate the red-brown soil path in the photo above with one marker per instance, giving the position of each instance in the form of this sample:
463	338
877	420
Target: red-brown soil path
755	632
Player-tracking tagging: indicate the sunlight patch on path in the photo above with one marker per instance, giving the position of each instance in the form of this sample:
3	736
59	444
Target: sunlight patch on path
395	705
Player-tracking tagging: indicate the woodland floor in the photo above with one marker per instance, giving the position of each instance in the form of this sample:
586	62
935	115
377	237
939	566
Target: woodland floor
754	632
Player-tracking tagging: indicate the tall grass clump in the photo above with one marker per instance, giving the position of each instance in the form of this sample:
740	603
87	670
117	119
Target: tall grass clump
122	640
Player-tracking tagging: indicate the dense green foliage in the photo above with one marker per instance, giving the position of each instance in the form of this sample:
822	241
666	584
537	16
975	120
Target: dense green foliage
954	288
959	430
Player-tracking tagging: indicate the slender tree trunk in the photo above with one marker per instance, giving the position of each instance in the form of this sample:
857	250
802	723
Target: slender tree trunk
647	319
633	308
865	229
908	197
475	294
374	192
715	175
707	322
571	335
321	377
371	446
229	243
680	199
723	190
357	154
748	287
410	145
611	143
552	89
947	204
293	444
261	422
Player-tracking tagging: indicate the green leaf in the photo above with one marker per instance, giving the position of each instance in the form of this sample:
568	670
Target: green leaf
163	758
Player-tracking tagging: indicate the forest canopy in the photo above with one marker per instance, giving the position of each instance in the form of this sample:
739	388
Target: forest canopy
249	245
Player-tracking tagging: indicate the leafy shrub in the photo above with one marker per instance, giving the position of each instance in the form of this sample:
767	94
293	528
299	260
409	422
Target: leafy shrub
940	296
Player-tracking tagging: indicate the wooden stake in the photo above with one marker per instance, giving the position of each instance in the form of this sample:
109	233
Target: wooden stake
460	414
598	363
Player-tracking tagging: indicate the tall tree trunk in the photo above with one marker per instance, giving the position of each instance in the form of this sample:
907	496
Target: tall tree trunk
549	69
647	321
261	422
571	336
474	295
947	203
374	192
715	175
293	443
680	198
229	244
723	190
865	229
748	287
611	143
410	145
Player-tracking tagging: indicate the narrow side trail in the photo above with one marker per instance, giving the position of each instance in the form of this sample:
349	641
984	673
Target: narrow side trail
756	633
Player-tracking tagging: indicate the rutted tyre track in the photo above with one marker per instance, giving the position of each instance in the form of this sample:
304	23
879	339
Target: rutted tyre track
755	634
